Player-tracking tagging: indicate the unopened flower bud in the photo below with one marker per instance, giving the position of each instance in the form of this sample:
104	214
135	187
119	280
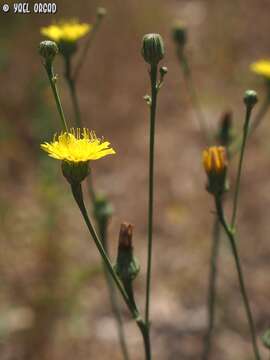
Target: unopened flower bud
127	266
125	236
75	173
152	48
48	49
179	33
215	164
163	71
250	98
101	12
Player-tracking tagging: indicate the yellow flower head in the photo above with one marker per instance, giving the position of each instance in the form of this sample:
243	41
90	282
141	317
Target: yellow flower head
67	31
261	67
215	160
77	146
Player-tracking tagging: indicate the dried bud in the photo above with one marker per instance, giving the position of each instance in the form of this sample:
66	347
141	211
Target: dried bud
48	49
152	48
215	164
179	33
125	236
127	266
75	173
250	98
224	136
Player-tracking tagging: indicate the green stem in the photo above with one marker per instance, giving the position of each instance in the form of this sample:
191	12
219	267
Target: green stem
260	114
212	289
102	229
103	226
144	328
86	48
230	233
194	97
239	171
146	339
73	93
52	80
153	77
74	98
78	197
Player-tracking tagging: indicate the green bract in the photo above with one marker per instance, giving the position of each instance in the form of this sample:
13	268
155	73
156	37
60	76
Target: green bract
152	48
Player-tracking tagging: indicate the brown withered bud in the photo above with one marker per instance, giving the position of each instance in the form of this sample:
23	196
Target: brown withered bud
224	136
127	266
125	236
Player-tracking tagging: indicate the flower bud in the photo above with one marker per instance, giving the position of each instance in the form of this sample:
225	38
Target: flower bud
127	266
250	98
74	172
101	12
215	164
152	48
179	33
163	71
48	49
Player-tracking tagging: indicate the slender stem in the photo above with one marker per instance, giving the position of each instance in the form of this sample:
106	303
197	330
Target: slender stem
73	93
153	77
146	339
194	97
230	233
75	102
52	80
78	197
260	114
86	48
212	289
103	226
240	166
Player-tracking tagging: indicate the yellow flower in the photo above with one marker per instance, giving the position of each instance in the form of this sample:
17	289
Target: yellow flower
77	146
215	159
68	31
215	164
261	67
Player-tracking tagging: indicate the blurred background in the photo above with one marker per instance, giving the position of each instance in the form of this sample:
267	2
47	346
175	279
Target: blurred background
54	301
